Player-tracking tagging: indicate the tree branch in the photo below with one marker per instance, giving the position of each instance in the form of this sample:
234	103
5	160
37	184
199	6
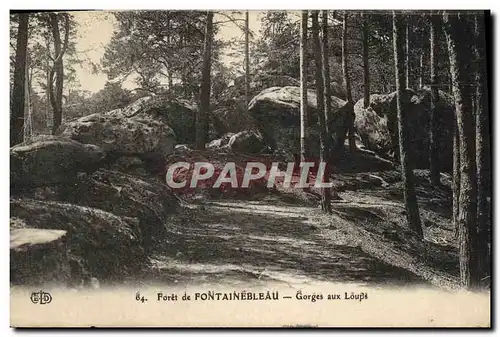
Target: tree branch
218	22
235	21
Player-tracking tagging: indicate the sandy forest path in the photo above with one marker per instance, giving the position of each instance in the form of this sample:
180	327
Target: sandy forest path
269	238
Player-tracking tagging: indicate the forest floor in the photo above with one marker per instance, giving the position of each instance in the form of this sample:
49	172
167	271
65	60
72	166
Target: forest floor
282	236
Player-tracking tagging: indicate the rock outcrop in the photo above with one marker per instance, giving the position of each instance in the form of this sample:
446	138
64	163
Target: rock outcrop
277	112
221	142
230	114
96	183
38	256
178	114
146	200
247	142
338	90
377	126
131	165
132	131
50	160
104	245
231	117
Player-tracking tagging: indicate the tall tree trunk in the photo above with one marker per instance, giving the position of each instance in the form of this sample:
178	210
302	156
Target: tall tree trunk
456	175
411	206
366	69
58	73
327	93
303	85
202	116
18	87
460	55
421	72
345	61
59	96
319	77
28	120
482	138
48	91
435	127
347	82
247	60
407	50
48	102
58	69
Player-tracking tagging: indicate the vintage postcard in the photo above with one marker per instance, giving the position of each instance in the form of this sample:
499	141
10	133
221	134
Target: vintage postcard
318	168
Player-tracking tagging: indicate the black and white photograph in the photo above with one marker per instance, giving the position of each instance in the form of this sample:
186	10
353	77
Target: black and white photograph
250	168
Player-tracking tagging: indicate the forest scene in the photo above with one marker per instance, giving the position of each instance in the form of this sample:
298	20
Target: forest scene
394	102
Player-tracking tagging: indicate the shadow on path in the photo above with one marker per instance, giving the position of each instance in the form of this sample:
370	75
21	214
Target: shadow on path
231	241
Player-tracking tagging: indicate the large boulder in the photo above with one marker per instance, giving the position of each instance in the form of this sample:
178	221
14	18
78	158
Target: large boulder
104	245
179	114
149	201
50	160
247	142
277	113
220	143
231	116
130	165
377	125
230	113
38	256
338	90
140	129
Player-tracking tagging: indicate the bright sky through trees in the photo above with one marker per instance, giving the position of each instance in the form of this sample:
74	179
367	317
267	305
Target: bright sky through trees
95	31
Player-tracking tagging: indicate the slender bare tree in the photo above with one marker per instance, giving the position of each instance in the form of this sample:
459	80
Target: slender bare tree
407	51
421	72
456	175
18	87
28	116
202	116
366	69
324	150
327	93
482	137
434	129
303	84
411	206
247	60
57	72
347	81
459	53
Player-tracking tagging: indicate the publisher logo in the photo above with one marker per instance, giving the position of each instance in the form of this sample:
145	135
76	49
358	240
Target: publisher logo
40	297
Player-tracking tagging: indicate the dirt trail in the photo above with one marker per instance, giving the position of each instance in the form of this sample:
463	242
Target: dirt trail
242	241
